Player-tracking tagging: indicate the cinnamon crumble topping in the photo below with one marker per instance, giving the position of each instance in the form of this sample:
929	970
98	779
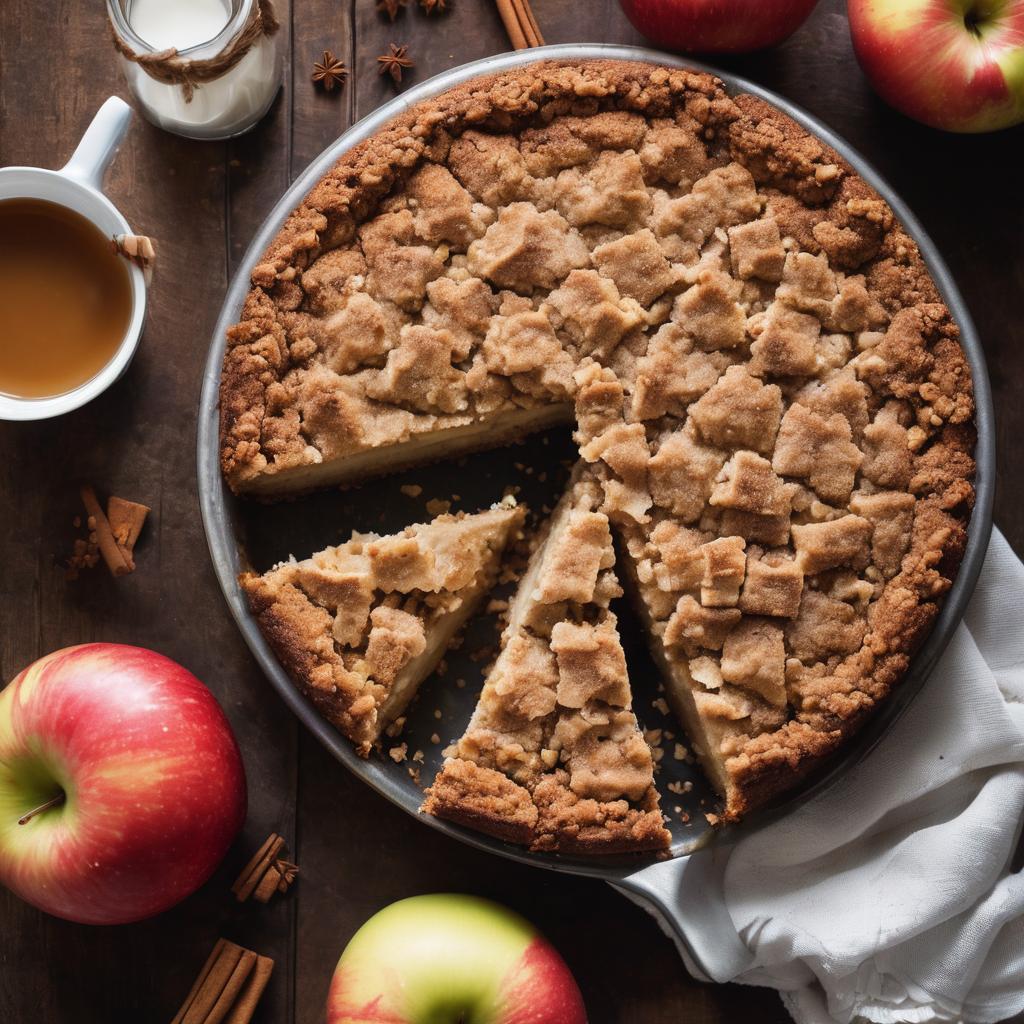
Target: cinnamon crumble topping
769	395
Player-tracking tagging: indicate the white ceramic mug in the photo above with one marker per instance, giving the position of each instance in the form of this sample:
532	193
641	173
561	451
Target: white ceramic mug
77	186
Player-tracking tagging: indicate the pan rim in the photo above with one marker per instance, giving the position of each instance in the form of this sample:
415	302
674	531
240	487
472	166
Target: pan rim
216	501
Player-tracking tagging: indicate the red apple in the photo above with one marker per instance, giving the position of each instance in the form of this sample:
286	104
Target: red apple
134	778
447	958
953	64
717	26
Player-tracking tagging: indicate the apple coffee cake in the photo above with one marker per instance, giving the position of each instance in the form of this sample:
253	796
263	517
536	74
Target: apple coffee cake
358	627
766	385
553	757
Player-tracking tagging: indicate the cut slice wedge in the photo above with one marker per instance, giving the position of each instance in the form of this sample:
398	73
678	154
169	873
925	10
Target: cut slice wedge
693	646
358	627
553	757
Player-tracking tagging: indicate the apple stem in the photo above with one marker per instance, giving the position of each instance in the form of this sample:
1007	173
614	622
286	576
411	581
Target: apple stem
52	802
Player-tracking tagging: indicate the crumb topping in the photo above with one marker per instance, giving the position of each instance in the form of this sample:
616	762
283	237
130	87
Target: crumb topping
768	391
554	719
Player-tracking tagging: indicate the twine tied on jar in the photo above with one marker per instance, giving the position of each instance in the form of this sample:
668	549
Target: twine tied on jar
168	67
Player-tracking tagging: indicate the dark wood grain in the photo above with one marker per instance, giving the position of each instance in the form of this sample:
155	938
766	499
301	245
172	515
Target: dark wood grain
203	203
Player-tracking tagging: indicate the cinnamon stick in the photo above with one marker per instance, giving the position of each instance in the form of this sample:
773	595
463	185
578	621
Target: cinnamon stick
201	979
268	884
245	1006
533	36
229	994
216	975
520	24
119	562
228	987
257	867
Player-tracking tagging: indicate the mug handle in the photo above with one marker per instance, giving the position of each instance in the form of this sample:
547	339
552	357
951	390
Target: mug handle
99	143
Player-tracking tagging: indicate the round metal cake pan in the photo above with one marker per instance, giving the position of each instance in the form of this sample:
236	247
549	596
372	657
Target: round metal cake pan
224	516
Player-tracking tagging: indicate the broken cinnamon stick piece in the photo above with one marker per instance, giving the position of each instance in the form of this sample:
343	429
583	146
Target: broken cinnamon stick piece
254	871
119	562
255	860
126	519
266	873
267	885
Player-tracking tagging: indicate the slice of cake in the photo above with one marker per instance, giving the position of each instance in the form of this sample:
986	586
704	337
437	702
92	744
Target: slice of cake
553	757
358	627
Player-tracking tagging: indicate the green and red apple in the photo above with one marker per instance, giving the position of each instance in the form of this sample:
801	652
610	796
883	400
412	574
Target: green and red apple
953	64
452	959
717	26
121	784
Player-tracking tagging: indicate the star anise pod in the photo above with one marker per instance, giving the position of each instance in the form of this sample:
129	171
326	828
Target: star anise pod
391	7
392	62
434	6
329	72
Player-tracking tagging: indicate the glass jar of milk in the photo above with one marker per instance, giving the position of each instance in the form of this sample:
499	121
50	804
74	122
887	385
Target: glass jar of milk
206	69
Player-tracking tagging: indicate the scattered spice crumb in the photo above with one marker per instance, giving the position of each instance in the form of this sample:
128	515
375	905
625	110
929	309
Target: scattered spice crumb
411	490
418	757
437	713
662	705
438	506
680	752
397	754
434	738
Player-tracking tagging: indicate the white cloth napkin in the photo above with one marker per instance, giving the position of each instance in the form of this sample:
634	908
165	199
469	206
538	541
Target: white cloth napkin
890	896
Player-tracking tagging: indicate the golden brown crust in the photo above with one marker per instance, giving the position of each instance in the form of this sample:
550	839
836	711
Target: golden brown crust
552	820
898	425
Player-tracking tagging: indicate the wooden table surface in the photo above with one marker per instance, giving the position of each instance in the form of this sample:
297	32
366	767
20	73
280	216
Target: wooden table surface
202	202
